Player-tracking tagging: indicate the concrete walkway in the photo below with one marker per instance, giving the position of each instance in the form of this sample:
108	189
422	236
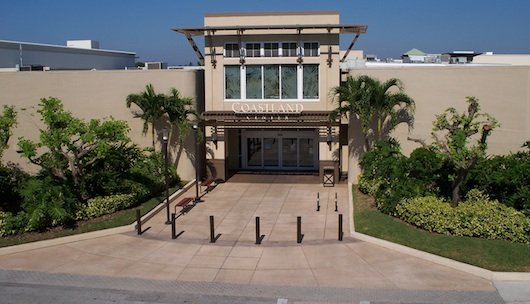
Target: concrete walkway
319	261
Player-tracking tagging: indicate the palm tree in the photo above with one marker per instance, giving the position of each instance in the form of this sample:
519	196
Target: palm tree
352	99
374	102
151	108
179	111
391	108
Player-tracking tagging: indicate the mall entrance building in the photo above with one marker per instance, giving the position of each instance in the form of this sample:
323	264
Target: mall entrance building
267	80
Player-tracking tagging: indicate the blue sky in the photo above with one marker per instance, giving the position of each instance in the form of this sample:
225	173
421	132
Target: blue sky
394	26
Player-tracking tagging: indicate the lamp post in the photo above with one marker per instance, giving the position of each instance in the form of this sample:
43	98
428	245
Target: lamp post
165	138
197	198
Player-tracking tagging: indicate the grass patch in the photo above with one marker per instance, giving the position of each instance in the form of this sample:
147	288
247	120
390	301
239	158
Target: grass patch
116	219
494	255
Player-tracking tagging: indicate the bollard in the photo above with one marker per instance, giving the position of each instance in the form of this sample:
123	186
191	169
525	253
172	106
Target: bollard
299	235
173	228
258	234
138	221
212	230
341	234
318	201
336	205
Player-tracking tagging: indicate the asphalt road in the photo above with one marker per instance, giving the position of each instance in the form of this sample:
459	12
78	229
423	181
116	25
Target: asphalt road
17	287
15	293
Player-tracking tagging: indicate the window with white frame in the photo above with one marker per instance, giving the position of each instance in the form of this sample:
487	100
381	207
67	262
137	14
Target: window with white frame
289	49
311	49
271	49
253	49
253	84
310	81
232	50
272	82
232	82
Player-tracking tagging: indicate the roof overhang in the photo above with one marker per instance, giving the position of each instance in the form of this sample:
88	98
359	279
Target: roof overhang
343	29
356	29
295	120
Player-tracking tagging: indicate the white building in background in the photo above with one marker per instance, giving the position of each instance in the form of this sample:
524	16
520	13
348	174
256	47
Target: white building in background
76	55
503	59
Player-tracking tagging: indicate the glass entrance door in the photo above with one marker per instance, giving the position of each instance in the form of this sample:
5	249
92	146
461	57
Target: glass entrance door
271	157
279	150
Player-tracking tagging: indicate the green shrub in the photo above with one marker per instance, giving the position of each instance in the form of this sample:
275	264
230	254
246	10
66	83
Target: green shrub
391	193
149	173
428	168
476	196
11	180
381	159
476	217
128	169
369	186
45	204
12	224
110	173
3	223
504	178
389	176
99	206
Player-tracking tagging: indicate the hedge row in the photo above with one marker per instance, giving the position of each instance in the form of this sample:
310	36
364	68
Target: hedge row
99	206
480	217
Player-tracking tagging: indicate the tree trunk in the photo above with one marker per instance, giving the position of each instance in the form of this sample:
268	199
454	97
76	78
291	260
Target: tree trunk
153	135
76	179
455	187
379	127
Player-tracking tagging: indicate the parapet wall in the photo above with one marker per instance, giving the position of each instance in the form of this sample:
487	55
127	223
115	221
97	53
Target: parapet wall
94	94
503	92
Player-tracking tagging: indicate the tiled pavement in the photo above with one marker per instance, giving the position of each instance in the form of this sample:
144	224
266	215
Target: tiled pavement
320	261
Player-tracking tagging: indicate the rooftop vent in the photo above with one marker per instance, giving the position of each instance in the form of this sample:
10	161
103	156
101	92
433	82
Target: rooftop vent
83	44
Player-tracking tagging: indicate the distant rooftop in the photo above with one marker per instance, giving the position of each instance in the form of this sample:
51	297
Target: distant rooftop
292	13
415	52
77	46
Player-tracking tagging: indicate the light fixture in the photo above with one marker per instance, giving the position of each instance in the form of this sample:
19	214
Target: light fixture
197	198
165	138
242	55
165	134
300	59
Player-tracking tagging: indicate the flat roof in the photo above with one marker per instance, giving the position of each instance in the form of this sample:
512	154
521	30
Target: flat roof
64	47
292	13
343	29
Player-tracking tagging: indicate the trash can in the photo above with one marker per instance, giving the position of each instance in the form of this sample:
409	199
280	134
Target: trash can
328	176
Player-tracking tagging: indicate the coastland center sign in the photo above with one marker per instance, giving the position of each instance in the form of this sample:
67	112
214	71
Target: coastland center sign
267	108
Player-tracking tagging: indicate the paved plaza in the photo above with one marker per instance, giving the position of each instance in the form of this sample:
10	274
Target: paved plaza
320	261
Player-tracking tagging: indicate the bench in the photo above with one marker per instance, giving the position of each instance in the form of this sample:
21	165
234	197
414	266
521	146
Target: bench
184	203
207	183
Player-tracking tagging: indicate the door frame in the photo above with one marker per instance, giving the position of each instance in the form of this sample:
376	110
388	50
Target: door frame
279	134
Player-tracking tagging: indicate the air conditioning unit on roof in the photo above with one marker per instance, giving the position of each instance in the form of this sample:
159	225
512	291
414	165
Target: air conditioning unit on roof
155	65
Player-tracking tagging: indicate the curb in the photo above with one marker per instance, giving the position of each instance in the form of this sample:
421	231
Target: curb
93	234
471	269
63	240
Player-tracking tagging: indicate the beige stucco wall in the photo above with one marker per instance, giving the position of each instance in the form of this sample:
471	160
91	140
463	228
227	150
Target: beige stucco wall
278	18
94	94
503	92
